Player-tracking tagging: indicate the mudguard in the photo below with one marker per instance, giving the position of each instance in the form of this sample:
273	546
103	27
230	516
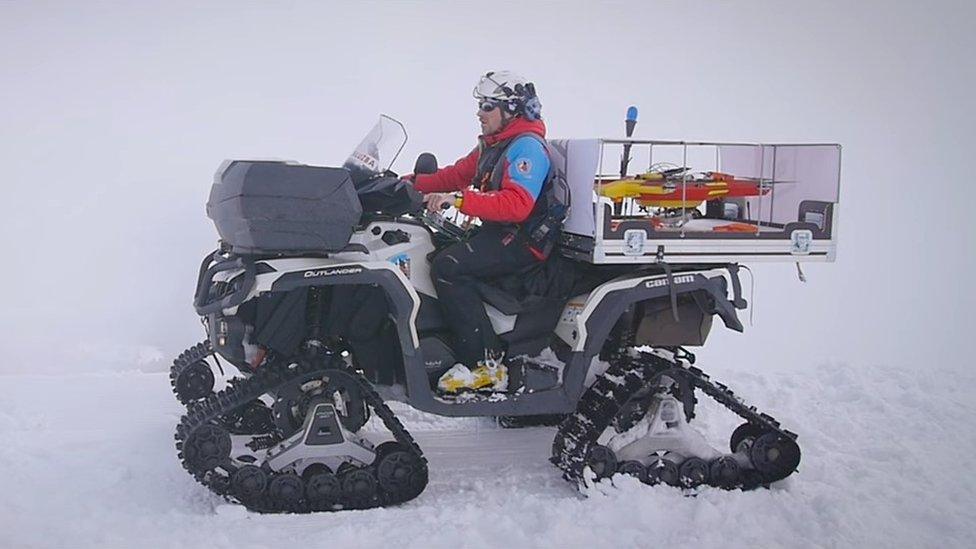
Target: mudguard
609	301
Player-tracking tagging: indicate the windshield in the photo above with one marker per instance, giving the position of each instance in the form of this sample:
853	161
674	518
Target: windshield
377	151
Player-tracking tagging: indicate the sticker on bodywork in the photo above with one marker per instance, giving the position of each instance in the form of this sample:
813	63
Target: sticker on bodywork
403	262
800	241
571	312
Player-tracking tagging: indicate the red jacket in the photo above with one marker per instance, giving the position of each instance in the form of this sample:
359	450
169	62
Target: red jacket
521	181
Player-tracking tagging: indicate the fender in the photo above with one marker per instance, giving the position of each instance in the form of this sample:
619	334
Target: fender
403	298
609	301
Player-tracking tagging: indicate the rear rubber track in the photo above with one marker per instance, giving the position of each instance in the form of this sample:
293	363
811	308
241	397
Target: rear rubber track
628	373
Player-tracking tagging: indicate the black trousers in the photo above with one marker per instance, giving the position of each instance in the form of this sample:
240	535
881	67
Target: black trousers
490	253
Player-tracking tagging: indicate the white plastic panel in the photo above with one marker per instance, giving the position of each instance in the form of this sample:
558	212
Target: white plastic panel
579	165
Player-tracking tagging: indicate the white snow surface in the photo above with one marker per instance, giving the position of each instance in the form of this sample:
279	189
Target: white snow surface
89	461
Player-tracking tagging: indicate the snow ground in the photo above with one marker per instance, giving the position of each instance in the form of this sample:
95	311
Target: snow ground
89	462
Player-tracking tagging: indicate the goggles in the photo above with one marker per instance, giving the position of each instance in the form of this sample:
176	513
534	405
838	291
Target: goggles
488	105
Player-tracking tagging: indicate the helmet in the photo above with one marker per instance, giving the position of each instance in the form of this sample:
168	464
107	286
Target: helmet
511	90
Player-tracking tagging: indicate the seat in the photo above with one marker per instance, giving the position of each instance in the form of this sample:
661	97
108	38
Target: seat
499	299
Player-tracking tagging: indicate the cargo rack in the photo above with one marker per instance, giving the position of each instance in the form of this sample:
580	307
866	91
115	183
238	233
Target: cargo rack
790	213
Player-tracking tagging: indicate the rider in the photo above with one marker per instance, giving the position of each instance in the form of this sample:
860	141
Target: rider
509	173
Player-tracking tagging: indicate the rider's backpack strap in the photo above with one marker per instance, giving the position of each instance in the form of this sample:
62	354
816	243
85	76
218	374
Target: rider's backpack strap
541	230
555	185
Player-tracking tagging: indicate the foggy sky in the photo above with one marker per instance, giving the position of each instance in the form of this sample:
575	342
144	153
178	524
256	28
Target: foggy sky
114	116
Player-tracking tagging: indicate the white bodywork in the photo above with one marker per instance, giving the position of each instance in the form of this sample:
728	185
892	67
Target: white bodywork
408	260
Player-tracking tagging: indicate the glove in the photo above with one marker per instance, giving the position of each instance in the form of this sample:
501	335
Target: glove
436	202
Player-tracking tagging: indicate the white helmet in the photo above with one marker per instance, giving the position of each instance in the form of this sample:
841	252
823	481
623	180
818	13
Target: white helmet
498	85
511	89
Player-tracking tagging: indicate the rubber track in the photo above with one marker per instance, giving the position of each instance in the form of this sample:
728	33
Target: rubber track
625	376
197	352
269	378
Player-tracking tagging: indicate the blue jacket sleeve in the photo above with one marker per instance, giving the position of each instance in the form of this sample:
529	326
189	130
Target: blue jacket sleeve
526	168
528	164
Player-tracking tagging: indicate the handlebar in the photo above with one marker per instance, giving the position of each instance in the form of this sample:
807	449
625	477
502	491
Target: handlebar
442	224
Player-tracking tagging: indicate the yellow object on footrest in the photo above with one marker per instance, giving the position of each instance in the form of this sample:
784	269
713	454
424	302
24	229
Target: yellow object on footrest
492	377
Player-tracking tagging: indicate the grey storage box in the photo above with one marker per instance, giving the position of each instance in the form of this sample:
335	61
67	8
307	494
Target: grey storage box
281	208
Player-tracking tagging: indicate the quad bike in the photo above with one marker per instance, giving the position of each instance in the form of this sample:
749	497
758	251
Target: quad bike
320	296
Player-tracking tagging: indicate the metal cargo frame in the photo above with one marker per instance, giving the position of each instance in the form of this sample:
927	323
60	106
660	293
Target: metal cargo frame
801	227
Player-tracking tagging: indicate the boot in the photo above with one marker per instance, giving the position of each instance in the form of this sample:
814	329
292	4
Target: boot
489	375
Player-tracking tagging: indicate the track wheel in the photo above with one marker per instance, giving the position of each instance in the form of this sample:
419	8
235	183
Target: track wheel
385	448
632	468
723	472
206	448
248	482
743	437
751	479
194	382
286	490
693	472
358	487
255	418
402	475
602	461
661	470
775	456
220	485
397	471
323	490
